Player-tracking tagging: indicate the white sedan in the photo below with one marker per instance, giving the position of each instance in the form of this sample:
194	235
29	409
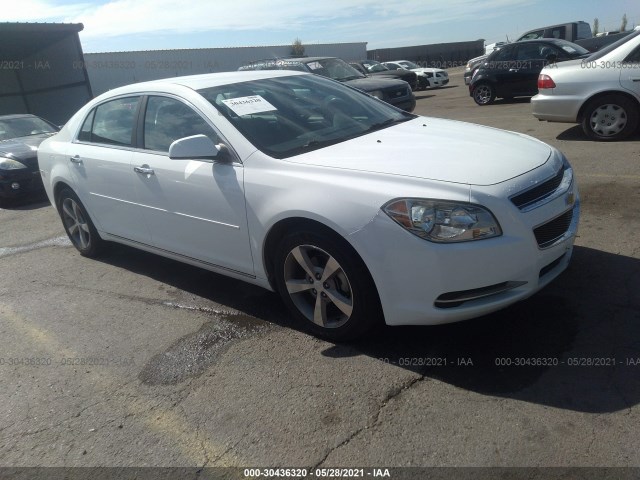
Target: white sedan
601	92
431	77
354	211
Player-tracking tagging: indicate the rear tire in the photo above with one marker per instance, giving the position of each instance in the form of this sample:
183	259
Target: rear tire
326	286
484	94
610	118
78	225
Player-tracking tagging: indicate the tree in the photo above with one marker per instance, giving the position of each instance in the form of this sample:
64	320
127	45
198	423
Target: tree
623	27
297	48
596	26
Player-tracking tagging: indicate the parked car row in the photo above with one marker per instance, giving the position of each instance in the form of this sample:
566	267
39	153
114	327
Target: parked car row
427	77
391	90
512	70
600	91
374	68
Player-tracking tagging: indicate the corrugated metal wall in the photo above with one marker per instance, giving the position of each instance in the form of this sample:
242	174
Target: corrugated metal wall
439	55
114	69
41	70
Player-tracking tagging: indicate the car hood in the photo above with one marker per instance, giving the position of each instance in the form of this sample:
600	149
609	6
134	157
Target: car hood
436	149
368	84
23	149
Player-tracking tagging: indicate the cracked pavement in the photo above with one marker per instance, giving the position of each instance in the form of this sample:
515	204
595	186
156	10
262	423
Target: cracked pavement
136	360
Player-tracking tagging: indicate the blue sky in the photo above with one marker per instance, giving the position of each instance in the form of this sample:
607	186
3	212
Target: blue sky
117	25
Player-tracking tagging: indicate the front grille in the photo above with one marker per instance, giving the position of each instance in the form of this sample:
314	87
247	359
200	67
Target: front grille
551	231
535	194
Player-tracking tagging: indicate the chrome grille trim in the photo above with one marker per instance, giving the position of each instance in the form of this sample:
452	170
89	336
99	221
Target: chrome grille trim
538	195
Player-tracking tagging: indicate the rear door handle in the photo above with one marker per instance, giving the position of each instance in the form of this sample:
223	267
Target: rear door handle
145	170
513	69
76	159
635	79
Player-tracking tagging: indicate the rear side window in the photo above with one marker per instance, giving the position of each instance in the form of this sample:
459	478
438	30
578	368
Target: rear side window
529	51
112	122
85	131
532	35
167	120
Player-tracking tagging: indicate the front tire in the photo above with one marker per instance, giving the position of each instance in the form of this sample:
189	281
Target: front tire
78	225
610	118
484	94
326	285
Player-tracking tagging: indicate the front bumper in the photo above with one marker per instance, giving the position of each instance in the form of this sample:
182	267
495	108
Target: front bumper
27	182
424	283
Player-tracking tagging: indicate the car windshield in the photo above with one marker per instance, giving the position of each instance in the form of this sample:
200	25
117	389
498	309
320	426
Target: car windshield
286	116
23	127
375	67
409	64
335	68
609	48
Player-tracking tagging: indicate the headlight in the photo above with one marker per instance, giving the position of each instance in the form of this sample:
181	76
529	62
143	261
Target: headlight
377	94
443	221
8	164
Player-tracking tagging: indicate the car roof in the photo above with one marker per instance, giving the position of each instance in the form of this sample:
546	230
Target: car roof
207	80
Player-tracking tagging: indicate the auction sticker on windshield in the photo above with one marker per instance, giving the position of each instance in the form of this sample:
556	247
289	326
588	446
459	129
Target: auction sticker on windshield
248	105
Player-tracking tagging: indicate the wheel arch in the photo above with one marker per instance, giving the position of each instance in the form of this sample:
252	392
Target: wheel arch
604	93
59	186
288	225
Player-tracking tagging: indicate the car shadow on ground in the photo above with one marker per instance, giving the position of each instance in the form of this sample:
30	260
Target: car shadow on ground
576	134
25	203
573	345
422	96
510	101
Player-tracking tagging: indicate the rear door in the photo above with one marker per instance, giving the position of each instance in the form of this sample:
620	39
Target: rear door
100	160
529	61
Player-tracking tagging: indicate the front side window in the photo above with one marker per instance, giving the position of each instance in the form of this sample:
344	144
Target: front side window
167	120
286	116
113	122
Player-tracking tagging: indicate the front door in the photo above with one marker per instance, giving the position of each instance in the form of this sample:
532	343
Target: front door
193	208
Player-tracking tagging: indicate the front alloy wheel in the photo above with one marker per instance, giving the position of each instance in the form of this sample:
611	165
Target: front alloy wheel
326	286
318	286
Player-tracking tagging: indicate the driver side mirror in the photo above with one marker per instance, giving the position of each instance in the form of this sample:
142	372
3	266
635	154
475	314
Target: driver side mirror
198	147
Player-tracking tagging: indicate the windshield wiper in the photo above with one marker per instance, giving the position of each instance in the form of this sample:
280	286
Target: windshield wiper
386	123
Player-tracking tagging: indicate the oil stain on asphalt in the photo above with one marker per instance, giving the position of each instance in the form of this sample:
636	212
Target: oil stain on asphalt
192	354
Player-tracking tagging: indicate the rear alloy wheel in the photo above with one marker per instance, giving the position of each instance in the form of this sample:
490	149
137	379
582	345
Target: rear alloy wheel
78	225
326	286
484	94
610	118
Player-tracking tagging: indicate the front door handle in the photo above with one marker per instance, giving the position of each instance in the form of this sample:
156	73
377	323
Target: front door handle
145	170
513	69
76	159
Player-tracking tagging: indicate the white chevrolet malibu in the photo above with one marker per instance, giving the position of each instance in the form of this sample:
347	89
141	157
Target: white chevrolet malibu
353	210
